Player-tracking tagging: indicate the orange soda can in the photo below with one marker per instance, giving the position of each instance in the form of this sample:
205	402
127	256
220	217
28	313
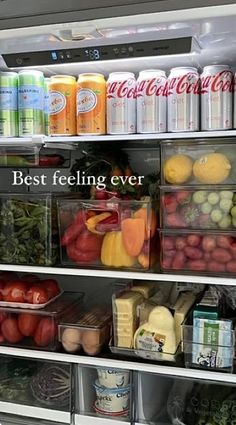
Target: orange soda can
62	98
91	104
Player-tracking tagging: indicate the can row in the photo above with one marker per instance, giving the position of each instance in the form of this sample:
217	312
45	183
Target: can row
153	104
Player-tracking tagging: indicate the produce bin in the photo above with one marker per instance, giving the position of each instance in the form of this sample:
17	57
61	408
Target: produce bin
28	229
36	389
108	234
204	162
198	208
19	157
218	356
89	330
199	252
37	329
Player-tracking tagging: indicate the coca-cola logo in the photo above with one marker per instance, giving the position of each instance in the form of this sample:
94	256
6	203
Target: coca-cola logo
154	86
188	83
121	89
222	81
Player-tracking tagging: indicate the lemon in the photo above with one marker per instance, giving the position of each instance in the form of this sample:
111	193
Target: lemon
212	168
178	169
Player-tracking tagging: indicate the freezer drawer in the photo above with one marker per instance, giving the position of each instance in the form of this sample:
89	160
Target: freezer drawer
36	389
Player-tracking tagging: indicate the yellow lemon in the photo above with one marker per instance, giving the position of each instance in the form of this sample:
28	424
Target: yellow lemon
212	168
178	169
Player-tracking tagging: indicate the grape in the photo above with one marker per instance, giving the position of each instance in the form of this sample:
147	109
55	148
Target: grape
216	216
213	198
226	194
233	212
225	222
234	221
200	196
226	204
206	208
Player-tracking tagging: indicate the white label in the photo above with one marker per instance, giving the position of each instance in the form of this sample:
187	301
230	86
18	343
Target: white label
57	102
86	101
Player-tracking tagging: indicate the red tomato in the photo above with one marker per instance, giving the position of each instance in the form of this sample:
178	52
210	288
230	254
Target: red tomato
51	286
45	332
15	291
27	323
37	295
31	278
11	331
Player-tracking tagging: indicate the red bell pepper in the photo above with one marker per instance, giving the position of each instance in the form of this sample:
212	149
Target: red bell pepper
109	224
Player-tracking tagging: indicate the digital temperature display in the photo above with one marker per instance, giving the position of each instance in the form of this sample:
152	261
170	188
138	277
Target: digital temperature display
92	54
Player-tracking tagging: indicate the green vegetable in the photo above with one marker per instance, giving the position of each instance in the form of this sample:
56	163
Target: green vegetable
206	208
28	231
213	198
200	196
225	222
216	215
226	205
233	212
226	194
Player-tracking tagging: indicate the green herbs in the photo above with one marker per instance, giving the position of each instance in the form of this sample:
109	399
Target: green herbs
27	234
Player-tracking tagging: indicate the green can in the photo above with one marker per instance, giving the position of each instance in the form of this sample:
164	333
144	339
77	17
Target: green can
46	106
8	104
31	103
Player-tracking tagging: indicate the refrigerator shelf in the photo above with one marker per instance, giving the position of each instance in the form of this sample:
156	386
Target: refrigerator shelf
112	363
119	274
95	420
35	412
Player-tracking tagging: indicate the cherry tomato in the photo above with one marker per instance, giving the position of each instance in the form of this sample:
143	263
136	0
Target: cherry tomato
51	287
11	331
45	332
27	323
15	291
37	295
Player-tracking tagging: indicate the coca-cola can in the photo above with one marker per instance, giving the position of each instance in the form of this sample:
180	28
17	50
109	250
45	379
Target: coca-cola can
121	103
216	97
151	101
183	99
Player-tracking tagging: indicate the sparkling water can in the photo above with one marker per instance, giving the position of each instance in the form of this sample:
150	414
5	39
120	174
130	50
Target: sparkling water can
8	104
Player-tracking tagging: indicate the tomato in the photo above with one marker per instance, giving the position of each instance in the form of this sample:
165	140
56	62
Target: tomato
45	332
31	278
37	295
15	291
11	331
27	323
51	287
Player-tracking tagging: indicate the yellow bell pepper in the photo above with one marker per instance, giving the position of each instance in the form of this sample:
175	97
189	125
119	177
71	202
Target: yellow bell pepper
94	220
113	251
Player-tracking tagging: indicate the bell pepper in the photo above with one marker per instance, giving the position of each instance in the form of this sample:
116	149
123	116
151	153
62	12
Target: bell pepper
113	251
86	248
92	222
75	228
109	223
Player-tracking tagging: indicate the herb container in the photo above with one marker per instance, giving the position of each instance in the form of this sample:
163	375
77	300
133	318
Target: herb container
19	157
28	229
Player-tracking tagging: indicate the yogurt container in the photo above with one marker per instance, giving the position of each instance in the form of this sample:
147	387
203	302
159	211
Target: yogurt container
112	400
113	378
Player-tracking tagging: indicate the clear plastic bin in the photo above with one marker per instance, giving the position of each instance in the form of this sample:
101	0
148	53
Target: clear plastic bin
198	208
28	229
88	330
36	389
203	162
19	157
208	356
199	252
37	329
108	234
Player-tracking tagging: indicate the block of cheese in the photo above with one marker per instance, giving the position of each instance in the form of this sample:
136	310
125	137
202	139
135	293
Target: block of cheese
146	289
126	304
181	309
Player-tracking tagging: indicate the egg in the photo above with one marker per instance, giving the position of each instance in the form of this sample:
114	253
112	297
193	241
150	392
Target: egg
71	339
91	337
92	350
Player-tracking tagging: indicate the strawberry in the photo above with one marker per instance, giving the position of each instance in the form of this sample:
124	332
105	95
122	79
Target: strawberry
208	243
166	263
204	221
179	261
180	243
193	253
167	243
193	240
216	267
174	220
231	267
197	265
183	197
221	255
169	203
224	241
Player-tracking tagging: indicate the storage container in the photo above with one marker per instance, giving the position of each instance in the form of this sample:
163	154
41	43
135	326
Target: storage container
198	162
37	329
215	356
199	252
198	208
28	229
19	157
88	330
36	389
108	234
